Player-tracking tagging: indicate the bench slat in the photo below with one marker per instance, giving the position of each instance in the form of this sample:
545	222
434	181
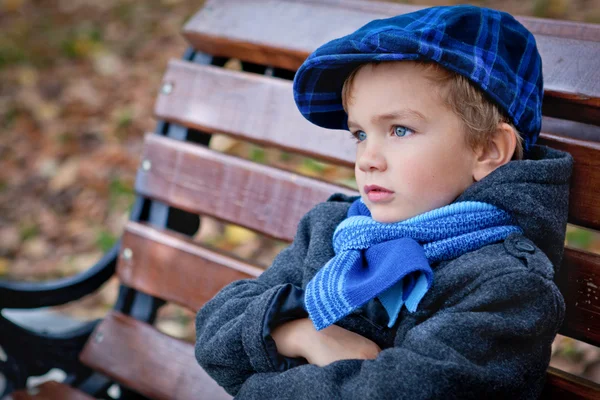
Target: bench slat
203	181
560	28
568	29
561	385
571	78
194	279
584	204
247	106
261	109
119	349
572	129
51	390
579	281
200	273
148	361
279	36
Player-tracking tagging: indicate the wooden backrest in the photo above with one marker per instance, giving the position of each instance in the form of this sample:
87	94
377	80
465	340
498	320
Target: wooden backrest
260	109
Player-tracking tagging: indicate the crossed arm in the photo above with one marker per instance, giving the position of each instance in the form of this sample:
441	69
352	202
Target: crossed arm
229	344
494	342
465	352
496	349
299	338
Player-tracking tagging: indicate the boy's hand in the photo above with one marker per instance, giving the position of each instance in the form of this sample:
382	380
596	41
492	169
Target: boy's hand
299	338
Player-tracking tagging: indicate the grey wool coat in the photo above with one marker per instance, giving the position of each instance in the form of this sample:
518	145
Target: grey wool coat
483	330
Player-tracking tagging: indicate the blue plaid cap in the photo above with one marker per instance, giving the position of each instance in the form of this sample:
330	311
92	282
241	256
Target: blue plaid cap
489	47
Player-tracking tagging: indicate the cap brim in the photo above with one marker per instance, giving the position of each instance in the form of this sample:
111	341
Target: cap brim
319	81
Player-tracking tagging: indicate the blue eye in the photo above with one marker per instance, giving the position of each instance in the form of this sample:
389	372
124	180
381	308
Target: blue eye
401	131
360	135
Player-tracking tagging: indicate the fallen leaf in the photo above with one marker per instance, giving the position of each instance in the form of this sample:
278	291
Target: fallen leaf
65	176
237	235
36	248
82	91
10	239
4	262
106	63
209	229
27	76
47	167
222	143
171	328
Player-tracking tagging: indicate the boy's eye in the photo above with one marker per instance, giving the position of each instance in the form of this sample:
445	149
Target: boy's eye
360	135
401	131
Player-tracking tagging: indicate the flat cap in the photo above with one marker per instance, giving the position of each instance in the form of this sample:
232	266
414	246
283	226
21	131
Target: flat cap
489	47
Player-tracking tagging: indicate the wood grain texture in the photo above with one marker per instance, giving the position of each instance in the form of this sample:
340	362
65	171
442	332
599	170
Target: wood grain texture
561	385
174	268
552	27
579	282
51	391
134	353
575	130
285	32
574	107
584	201
148	361
171	267
260	109
544	26
202	181
120	348
247	106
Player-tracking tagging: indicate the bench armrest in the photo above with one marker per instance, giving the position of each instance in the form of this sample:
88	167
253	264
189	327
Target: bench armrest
60	291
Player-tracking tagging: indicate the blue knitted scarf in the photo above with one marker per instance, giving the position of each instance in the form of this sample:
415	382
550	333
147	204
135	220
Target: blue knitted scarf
391	261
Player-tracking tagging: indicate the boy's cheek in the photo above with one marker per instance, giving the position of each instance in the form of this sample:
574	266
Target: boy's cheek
360	180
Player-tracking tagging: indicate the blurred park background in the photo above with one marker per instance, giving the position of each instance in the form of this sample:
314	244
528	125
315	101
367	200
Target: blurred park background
78	80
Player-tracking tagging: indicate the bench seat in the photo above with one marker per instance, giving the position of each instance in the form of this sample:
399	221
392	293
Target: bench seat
179	172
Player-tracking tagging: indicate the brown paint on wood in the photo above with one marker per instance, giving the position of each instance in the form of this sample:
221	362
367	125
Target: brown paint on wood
171	267
579	282
584	201
148	361
51	391
285	32
543	26
259	108
561	385
559	106
250	107
272	201
120	347
575	130
565	29
203	181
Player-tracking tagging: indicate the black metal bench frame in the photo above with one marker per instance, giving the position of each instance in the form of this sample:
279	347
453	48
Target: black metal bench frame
34	353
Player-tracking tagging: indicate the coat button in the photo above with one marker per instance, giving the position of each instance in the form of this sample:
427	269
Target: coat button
524	246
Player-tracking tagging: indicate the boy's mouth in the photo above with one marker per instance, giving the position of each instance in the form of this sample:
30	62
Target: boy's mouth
377	194
375	188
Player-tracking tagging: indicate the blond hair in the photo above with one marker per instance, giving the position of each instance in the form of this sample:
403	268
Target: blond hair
479	115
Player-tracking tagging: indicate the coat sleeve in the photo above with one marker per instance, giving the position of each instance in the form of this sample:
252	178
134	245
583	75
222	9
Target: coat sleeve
230	327
493	343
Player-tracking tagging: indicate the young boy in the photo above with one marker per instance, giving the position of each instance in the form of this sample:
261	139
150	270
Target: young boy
437	281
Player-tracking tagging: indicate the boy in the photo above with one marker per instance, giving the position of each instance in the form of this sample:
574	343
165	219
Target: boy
437	281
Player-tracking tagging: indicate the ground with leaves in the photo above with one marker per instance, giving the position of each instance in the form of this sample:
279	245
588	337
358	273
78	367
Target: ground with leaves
78	79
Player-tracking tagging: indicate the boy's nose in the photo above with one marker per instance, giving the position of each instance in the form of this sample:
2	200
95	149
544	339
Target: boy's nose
371	158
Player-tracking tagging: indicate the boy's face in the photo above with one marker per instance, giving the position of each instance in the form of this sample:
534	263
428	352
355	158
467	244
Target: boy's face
409	142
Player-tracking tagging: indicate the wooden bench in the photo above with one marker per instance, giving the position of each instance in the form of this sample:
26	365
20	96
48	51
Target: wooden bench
181	177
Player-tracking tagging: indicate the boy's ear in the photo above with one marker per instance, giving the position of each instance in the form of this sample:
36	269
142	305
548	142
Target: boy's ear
499	151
